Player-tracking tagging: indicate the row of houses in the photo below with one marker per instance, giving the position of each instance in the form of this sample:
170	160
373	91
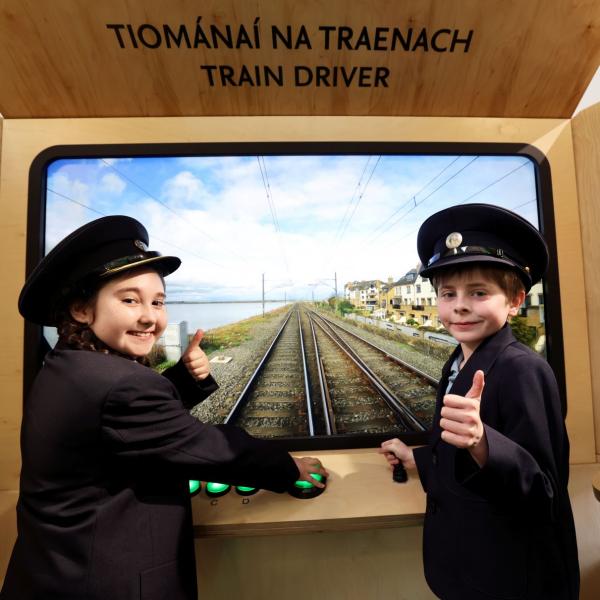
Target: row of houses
413	298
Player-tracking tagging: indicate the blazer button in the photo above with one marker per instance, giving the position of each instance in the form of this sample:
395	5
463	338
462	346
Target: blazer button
434	459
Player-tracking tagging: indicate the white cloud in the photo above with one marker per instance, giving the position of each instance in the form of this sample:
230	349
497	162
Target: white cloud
113	184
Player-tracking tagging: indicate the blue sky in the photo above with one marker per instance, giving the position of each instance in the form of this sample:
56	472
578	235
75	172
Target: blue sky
297	219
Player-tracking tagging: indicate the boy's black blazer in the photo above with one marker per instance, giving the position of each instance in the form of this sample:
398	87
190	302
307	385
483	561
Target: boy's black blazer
104	509
506	530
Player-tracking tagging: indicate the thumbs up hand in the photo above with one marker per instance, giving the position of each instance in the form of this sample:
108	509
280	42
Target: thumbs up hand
461	423
194	358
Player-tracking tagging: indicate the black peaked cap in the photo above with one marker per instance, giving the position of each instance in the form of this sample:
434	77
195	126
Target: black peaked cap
482	233
98	249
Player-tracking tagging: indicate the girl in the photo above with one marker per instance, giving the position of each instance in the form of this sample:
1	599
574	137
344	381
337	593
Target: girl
107	444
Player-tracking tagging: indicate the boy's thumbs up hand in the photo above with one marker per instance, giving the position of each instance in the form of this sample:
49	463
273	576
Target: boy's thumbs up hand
461	423
477	386
194	358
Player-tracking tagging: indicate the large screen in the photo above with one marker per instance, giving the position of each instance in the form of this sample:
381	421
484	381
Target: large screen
299	263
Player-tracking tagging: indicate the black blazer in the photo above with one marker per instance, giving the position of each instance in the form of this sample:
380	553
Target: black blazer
107	449
506	530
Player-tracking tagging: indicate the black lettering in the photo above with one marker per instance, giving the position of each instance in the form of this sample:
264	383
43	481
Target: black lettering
381	38
421	41
200	38
243	38
348	77
434	38
209	71
177	39
116	29
270	74
302	76
216	34
397	37
363	39
344	37
256	30
226	72
322	76
381	75
327	29
285	38
466	41
245	77
303	39
364	79
142	29
132	36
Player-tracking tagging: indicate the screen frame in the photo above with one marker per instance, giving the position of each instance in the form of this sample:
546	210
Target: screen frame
35	346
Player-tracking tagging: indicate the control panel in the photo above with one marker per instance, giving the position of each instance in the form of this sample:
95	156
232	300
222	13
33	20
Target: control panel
361	491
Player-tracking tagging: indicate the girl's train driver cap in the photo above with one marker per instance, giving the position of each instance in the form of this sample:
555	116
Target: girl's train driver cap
482	233
97	250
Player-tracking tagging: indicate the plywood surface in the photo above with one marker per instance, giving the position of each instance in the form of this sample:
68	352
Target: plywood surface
360	494
67	58
586	141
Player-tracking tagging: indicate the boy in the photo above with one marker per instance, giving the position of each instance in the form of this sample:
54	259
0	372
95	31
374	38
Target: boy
498	522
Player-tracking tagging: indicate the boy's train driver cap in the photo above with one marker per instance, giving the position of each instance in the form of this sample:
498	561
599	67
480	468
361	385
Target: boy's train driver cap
97	250
482	233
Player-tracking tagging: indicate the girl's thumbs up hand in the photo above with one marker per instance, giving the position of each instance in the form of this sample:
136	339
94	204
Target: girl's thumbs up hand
194	358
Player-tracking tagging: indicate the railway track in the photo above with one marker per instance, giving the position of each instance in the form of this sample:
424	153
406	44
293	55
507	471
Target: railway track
318	378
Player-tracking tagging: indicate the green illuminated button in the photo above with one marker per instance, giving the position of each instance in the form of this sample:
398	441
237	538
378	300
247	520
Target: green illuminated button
306	485
305	489
195	486
217	489
244	490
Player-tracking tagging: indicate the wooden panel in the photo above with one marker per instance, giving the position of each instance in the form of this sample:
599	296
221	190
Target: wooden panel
24	139
358	565
360	494
350	565
586	141
373	564
67	58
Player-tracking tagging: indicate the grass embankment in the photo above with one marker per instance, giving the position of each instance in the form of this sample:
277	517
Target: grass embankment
219	338
234	334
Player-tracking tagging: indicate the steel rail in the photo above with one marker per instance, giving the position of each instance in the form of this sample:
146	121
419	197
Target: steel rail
401	410
328	415
432	380
309	415
245	393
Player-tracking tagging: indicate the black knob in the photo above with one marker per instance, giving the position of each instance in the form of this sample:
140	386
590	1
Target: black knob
399	474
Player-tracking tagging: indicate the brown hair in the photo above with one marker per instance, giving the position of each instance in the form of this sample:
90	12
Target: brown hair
505	278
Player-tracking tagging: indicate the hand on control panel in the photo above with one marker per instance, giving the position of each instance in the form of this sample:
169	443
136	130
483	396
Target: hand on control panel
399	456
308	465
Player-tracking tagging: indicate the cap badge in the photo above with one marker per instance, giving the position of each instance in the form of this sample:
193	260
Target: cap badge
454	240
139	244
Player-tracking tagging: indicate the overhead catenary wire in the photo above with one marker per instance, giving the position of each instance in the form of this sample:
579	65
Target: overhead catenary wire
418	203
341	224
412	198
265	179
360	197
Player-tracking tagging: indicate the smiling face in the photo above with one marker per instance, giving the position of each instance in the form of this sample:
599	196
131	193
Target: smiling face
472	307
128	313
